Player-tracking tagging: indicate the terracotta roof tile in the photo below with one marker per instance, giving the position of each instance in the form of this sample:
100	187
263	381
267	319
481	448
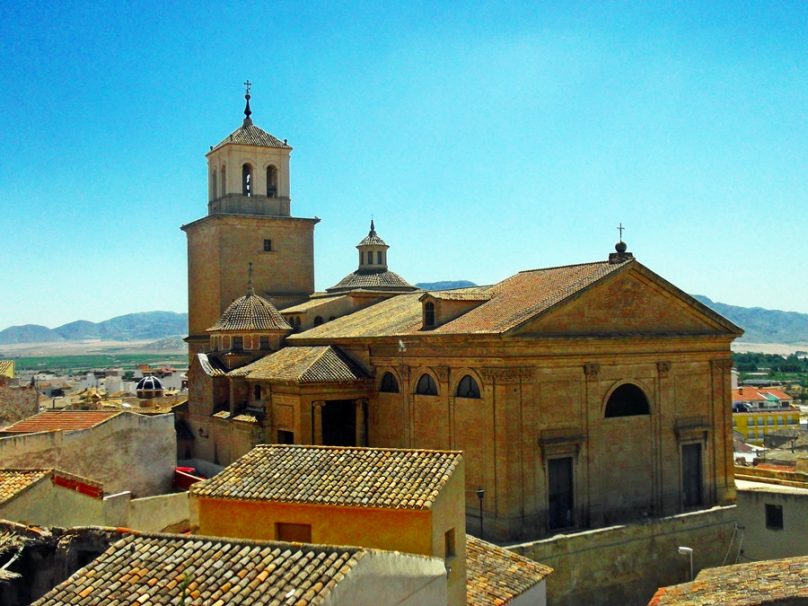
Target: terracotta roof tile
314	364
741	585
252	135
62	420
161	569
495	575
15	481
249	313
312	304
334	475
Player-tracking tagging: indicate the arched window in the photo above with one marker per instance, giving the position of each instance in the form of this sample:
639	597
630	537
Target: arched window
272	181
626	401
318	320
224	181
257	392
213	184
246	180
378	257
468	388
389	383
426	386
429	313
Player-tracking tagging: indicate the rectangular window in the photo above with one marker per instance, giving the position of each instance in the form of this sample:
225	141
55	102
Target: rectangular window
449	550
774	517
264	342
286	437
238	343
780	421
560	493
267	245
378	257
750	434
370	257
771	420
294	533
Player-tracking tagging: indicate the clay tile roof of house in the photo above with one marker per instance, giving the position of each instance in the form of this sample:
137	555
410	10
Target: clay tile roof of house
479	293
314	364
163	569
777	393
15	481
764	582
312	304
383	478
62	420
495	575
250	312
252	135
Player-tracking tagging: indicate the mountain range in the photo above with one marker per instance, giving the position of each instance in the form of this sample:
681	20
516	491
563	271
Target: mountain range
761	325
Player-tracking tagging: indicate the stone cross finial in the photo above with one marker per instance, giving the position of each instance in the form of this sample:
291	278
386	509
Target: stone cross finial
620	229
247	110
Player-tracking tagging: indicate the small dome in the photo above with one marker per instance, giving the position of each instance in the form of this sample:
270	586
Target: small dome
149	383
621	247
372	239
372	280
250	313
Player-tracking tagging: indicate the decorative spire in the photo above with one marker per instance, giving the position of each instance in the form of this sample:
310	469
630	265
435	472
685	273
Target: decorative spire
372	229
247	110
250	289
620	248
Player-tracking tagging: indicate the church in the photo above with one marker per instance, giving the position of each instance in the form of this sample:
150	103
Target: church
581	396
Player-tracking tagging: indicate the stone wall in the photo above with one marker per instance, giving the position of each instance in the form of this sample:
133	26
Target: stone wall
17	403
626	564
129	452
162	513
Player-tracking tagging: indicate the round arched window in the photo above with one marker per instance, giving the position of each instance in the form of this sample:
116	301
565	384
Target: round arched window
626	401
389	383
426	386
468	388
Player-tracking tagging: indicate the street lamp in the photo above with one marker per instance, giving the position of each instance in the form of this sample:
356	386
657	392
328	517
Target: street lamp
481	495
688	551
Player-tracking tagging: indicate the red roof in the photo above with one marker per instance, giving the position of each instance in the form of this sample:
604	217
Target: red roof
62	420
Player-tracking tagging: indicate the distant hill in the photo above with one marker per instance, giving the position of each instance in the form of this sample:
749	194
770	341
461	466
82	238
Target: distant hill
445	285
144	325
763	325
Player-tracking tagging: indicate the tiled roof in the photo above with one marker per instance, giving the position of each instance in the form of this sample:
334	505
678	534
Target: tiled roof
62	420
372	239
464	294
14	481
758	394
495	575
764	582
249	313
159	570
371	279
252	135
335	475
312	304
7	368
211	365
315	364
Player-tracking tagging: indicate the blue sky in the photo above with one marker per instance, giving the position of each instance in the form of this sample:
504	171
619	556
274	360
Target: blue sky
485	138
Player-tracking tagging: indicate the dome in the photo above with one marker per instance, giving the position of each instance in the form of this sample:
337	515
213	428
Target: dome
149	383
371	280
250	313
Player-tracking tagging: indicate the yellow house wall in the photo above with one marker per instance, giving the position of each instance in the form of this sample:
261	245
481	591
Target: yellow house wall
449	512
400	530
755	425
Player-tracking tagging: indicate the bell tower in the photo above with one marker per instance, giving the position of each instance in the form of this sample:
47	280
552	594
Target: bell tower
249	221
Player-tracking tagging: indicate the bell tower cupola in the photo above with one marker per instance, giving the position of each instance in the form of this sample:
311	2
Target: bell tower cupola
248	171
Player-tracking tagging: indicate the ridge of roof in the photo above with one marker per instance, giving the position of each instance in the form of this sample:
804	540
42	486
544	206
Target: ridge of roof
250	312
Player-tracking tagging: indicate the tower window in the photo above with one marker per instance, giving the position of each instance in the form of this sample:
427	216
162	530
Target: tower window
213	184
426	386
378	257
224	181
267	245
272	181
429	313
263	342
246	180
257	392
468	388
238	343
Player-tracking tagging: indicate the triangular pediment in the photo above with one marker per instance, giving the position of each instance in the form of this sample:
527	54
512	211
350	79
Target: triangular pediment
634	301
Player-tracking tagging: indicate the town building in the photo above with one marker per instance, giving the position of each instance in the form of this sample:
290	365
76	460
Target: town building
757	412
581	395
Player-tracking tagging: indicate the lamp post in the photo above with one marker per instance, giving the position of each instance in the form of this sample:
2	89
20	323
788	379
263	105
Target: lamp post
688	551
481	495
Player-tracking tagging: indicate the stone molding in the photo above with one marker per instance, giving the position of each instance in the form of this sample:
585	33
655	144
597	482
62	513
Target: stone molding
722	364
591	370
663	368
510	374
